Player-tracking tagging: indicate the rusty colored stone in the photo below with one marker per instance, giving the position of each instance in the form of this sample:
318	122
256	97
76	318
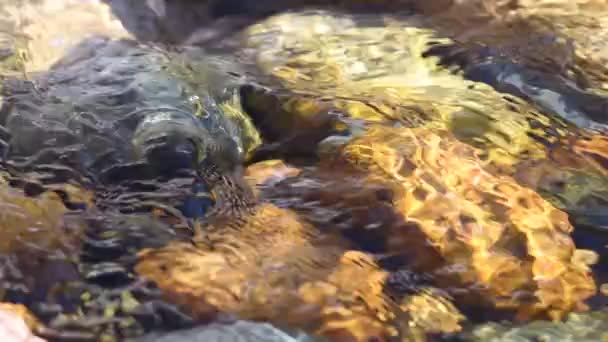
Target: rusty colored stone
486	230
268	173
37	221
272	266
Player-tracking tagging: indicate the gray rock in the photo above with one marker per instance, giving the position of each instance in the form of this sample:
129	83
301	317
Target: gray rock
110	102
241	331
592	326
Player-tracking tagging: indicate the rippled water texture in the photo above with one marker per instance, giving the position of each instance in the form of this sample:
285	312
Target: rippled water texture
303	170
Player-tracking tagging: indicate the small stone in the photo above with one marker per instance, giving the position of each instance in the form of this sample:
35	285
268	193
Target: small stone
17	323
239	331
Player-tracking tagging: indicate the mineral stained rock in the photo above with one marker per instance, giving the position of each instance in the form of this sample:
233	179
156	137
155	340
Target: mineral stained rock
39	222
354	75
271	266
564	37
49	28
40	241
596	147
205	21
489	235
357	67
265	268
398	177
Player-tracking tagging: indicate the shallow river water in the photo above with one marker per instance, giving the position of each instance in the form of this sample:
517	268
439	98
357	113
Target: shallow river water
303	170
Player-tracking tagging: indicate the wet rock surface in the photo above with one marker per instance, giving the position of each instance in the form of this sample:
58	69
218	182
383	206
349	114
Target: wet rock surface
350	174
580	327
116	102
237	331
424	195
341	96
47	29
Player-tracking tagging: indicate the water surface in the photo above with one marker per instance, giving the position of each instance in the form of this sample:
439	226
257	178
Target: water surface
305	170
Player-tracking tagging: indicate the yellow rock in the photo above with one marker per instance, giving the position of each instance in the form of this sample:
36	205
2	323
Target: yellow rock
37	221
273	266
477	219
371	71
425	195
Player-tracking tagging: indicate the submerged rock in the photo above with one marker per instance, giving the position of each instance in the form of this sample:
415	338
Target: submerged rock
204	22
133	122
373	68
40	243
577	327
366	70
428	197
237	331
270	266
47	29
562	38
32	225
108	103
543	88
370	68
397	177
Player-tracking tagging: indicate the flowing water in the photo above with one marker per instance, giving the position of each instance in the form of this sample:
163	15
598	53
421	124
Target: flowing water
304	170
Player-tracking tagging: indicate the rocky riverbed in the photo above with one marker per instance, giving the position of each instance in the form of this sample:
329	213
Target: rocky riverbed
303	170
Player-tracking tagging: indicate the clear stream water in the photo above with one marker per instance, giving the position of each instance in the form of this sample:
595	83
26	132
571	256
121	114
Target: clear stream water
305	170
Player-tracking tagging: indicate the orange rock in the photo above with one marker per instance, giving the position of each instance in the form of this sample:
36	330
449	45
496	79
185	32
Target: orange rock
499	241
268	173
272	266
595	147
